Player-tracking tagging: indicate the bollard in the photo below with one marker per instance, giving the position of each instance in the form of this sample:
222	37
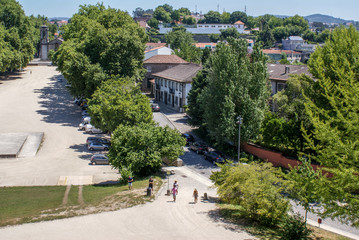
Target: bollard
205	197
168	192
149	191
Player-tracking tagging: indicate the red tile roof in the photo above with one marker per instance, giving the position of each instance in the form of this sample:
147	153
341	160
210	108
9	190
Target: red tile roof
165	59
152	49
278	51
239	23
153	45
203	45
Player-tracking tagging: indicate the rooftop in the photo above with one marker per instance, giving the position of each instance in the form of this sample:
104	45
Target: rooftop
174	59
283	71
239	23
279	51
180	73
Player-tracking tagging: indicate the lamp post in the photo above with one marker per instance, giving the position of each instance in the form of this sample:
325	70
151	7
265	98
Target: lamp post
239	122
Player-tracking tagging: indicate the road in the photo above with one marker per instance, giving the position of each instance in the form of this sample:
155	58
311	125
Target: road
38	102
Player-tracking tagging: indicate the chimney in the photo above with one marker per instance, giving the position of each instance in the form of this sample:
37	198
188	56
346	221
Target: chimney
287	70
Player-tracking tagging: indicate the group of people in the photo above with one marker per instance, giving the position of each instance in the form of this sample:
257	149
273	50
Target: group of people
175	192
174	188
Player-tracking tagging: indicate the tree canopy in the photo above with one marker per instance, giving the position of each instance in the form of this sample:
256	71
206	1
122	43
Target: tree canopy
118	102
141	148
100	42
237	85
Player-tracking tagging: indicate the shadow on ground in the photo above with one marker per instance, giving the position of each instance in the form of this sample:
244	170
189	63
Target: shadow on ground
59	108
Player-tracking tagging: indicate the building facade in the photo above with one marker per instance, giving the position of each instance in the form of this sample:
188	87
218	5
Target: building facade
207	28
172	86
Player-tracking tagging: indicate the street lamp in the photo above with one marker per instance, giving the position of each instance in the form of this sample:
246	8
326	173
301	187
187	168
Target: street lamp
239	122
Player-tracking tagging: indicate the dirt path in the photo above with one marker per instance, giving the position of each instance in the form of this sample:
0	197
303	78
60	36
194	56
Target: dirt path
66	195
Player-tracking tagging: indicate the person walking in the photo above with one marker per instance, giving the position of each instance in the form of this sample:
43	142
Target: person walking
175	185
174	193
150	183
195	195
130	181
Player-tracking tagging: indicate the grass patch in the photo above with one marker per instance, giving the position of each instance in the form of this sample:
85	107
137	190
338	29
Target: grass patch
25	202
31	204
230	214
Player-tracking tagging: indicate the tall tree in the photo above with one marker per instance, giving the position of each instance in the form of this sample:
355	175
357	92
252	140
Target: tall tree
334	115
162	15
212	17
141	148
237	85
99	43
176	38
238	15
119	101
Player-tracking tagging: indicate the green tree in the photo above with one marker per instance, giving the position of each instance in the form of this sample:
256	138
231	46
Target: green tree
99	43
189	52
303	187
256	188
280	33
162	15
184	11
225	16
189	20
284	59
194	106
153	23
238	15
214	37
266	37
333	113
229	32
118	102
177	38
168	8
212	17
237	85
141	148
176	15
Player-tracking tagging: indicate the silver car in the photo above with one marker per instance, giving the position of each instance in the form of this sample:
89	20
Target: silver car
99	159
97	146
91	129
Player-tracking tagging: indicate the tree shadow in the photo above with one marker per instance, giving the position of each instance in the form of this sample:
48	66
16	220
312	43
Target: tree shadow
192	159
10	76
57	104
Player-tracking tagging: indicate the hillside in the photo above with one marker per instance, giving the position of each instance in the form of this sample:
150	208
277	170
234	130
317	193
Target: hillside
59	18
325	19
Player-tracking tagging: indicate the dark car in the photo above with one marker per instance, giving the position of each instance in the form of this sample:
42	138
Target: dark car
214	157
189	138
155	107
99	140
99	159
199	148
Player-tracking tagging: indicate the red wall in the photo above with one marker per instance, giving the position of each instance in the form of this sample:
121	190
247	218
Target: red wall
276	158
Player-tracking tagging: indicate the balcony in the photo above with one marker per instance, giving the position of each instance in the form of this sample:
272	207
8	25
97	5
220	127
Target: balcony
172	90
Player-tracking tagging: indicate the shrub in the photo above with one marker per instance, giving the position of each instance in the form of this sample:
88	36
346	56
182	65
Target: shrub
294	228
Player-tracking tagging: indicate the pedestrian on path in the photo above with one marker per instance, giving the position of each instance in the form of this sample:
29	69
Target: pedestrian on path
150	183
174	193
130	181
195	195
175	185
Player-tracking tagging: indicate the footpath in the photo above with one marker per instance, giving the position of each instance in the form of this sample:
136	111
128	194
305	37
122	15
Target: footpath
179	121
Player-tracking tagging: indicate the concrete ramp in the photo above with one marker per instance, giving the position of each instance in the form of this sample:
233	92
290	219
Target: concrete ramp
11	144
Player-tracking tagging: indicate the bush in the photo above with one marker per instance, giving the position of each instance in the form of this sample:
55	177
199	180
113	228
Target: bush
294	228
256	188
125	173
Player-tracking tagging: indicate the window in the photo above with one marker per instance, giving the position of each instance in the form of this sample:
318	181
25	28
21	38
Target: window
176	86
180	87
165	83
149	68
161	82
206	26
213	26
176	100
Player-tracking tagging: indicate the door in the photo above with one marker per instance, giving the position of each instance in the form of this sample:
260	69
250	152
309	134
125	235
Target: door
166	97
173	101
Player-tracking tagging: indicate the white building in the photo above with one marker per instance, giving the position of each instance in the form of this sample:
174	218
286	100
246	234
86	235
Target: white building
157	51
206	28
173	85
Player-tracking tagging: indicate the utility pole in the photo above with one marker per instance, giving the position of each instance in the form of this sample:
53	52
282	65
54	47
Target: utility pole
239	122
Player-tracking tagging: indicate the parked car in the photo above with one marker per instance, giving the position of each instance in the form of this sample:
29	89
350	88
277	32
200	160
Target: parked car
214	157
97	146
99	159
97	139
199	148
155	107
91	129
189	138
83	124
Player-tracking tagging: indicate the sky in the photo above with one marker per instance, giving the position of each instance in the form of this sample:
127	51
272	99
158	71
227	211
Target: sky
345	9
